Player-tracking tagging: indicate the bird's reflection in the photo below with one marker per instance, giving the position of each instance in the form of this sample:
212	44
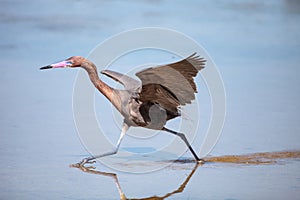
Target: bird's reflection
92	170
248	159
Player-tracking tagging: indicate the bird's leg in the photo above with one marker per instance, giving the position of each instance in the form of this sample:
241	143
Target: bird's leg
91	160
182	136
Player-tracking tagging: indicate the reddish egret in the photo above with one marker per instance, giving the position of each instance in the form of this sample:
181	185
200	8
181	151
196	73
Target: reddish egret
149	103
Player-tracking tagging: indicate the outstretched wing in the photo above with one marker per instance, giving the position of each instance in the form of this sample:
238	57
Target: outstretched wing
128	82
171	85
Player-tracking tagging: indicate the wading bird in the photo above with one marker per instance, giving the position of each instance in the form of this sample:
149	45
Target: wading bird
149	103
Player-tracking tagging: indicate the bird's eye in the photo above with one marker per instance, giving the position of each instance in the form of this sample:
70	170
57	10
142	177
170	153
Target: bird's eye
69	63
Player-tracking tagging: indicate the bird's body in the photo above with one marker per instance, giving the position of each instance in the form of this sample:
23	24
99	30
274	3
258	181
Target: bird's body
148	103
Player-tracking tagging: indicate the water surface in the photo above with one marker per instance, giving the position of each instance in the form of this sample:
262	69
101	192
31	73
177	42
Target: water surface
255	44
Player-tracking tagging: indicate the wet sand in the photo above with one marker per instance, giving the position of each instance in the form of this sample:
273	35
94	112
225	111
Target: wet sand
257	158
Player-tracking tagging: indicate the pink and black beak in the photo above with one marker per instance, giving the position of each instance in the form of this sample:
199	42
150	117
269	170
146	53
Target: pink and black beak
62	64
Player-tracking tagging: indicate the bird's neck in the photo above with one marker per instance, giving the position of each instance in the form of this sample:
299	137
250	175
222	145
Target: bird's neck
106	90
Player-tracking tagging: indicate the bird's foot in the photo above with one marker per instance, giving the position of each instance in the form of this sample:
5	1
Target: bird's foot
83	162
200	161
87	161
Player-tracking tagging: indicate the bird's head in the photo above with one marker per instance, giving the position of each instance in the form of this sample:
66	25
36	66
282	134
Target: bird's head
74	61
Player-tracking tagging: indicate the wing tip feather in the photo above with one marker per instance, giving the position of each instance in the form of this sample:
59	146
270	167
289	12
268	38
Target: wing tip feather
196	60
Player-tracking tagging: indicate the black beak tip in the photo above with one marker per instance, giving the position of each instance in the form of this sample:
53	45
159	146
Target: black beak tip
46	67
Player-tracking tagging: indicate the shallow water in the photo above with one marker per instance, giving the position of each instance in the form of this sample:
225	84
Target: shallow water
255	44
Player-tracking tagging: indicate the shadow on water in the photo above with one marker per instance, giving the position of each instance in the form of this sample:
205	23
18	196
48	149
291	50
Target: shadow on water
248	159
121	193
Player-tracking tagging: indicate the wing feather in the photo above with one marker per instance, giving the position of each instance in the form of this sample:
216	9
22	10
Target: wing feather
128	82
171	85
